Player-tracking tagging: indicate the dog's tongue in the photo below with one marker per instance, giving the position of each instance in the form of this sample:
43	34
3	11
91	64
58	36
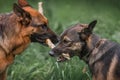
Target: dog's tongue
49	43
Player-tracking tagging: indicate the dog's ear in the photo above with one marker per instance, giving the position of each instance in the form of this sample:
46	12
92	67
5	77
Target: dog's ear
86	32
90	27
40	8
23	17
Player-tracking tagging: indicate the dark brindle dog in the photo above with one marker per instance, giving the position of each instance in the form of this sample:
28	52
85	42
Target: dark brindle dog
18	29
102	55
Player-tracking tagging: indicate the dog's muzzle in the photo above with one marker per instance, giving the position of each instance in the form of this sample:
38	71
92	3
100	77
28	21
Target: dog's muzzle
43	37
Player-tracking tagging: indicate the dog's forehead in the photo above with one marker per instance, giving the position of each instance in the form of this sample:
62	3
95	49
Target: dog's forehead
72	32
31	10
37	15
77	28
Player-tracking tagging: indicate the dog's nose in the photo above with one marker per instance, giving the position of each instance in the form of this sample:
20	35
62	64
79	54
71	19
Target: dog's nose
51	53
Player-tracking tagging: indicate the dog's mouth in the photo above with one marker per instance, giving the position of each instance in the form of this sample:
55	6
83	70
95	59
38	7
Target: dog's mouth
38	38
41	41
42	38
63	57
60	58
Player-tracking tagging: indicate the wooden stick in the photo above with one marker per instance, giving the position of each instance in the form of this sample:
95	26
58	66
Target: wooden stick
49	43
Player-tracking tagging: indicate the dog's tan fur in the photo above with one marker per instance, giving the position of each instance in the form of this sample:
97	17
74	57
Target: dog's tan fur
18	29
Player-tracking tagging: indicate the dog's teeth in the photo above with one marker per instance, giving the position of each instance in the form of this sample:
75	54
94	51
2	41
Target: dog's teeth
49	43
66	55
58	60
68	58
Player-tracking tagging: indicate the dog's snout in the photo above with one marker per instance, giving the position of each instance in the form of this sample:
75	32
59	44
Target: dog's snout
51	53
54	39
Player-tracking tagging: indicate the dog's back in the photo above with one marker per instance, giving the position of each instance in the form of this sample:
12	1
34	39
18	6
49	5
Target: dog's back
104	61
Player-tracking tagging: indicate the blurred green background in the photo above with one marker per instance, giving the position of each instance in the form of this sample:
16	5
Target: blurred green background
36	64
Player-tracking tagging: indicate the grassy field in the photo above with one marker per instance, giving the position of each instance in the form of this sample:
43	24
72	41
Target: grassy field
36	64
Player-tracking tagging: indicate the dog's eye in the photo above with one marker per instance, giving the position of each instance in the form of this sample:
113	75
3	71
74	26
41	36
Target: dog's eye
66	42
43	26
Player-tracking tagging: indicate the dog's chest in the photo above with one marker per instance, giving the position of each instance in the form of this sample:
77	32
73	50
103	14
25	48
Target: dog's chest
20	45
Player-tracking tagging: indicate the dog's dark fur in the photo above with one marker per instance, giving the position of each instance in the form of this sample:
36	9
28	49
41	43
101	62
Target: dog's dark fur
18	29
102	55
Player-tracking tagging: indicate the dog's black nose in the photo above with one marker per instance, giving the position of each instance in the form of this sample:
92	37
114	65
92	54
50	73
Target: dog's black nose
51	53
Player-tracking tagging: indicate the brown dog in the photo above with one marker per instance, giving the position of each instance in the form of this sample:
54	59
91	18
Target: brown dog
102	55
18	29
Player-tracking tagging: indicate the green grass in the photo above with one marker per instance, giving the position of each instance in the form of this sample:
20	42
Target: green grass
36	64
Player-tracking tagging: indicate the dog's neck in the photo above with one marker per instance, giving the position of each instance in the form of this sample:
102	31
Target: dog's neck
10	31
91	43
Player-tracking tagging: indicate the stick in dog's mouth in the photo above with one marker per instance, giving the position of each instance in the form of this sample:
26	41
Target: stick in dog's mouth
49	43
62	57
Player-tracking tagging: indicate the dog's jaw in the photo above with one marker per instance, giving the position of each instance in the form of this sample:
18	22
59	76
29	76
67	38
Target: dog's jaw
63	57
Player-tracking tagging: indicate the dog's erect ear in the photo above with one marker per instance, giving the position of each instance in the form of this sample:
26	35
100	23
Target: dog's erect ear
90	27
24	17
40	8
86	32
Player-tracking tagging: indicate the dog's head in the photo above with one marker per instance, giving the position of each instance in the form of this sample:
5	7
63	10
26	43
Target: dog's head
72	41
33	23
